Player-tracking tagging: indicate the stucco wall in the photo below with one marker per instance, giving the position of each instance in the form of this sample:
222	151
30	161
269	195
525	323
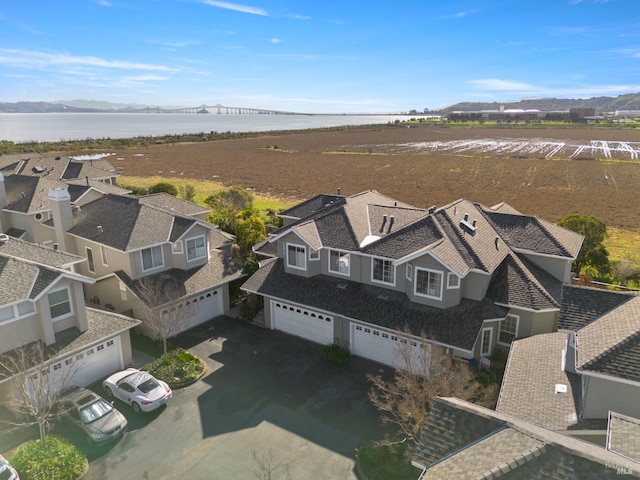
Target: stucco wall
602	396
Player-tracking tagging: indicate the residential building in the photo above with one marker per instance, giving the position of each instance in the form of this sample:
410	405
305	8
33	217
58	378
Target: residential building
43	301
572	379
465	441
368	272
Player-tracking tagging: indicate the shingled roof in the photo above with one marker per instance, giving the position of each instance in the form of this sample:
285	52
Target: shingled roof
623	435
457	326
464	441
582	305
15	247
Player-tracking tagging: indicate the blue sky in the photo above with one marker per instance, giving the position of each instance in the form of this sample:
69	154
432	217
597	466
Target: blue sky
338	56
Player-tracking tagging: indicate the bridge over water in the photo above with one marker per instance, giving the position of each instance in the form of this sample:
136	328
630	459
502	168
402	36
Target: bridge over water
219	110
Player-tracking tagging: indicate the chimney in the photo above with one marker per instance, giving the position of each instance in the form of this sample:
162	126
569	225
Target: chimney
384	222
338	190
87	179
60	203
391	219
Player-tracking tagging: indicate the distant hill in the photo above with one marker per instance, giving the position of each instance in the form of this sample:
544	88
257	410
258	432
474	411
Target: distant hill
40	107
601	104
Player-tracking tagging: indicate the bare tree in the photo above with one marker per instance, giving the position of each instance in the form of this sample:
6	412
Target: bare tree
36	380
268	468
166	312
423	372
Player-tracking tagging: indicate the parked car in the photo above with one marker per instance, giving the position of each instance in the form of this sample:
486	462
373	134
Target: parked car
137	388
99	419
6	471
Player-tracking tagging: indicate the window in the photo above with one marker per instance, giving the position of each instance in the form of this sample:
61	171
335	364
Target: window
103	253
25	308
16	310
90	265
6	313
152	258
196	248
428	283
177	247
314	254
59	304
339	262
508	329
485	347
383	271
453	280
296	256
409	272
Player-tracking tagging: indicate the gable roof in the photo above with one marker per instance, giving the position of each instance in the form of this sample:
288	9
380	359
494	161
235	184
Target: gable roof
173	203
456	326
623	436
15	247
311	206
57	167
463	440
582	305
611	343
128	224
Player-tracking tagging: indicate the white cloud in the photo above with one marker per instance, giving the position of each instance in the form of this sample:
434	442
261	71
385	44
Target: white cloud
275	40
497	84
236	7
509	87
32	59
174	44
457	15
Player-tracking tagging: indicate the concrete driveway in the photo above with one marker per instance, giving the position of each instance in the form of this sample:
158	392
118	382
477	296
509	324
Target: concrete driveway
268	403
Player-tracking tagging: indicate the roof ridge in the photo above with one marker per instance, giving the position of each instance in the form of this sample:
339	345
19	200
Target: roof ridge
552	236
462	240
612	349
532	278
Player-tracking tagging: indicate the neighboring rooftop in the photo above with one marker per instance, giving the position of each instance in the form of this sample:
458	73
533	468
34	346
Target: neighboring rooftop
17	248
623	435
582	305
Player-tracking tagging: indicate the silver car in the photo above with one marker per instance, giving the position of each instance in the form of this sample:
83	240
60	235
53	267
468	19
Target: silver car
137	388
93	414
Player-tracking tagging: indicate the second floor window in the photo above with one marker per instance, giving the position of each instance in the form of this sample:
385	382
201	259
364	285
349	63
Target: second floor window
339	262
383	271
152	257
196	248
59	303
508	329
90	264
429	283
296	256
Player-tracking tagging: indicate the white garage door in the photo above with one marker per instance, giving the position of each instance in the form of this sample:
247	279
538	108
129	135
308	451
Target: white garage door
386	347
313	326
204	307
85	367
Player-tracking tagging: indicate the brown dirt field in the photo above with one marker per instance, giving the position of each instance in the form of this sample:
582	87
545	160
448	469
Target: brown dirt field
357	159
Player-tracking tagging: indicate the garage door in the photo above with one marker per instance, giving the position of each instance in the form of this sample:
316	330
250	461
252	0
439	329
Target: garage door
387	347
313	326
86	367
204	307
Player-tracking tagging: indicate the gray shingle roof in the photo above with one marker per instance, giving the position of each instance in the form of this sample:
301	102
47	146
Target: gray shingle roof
582	305
465	441
311	206
609	344
528	391
623	435
456	326
175	204
519	282
127	224
407	240
15	247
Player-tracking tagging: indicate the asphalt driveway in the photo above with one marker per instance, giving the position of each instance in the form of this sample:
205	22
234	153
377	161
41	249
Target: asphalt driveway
267	403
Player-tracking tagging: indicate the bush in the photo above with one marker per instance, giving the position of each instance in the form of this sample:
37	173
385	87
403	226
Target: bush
164	187
335	354
59	460
386	462
178	368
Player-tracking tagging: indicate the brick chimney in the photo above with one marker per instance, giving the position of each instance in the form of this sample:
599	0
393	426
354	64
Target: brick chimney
60	203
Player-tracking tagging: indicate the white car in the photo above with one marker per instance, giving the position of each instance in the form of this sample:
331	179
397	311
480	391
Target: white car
137	388
6	471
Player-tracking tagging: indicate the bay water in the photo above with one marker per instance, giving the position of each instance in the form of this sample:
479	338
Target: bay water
56	127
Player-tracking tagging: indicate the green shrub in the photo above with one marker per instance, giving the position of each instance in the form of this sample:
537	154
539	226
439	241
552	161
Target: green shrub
59	460
178	368
386	462
335	354
164	187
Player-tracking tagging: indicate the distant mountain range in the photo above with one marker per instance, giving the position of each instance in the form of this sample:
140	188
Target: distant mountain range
601	104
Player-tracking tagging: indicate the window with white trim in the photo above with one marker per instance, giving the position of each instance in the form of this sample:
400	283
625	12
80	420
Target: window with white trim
103	254
485	346
383	271
16	310
196	248
296	256
428	283
177	246
409	272
453	281
339	262
90	264
59	303
152	257
508	329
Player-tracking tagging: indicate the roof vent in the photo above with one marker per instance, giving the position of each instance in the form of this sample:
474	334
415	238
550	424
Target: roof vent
341	286
497	242
391	219
4	238
468	227
56	246
384	222
383	297
338	190
22	194
466	217
561	388
100	229
432	209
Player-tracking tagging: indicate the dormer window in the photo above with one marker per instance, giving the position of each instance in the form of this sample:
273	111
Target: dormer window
428	283
152	258
196	248
339	262
296	256
383	271
59	304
